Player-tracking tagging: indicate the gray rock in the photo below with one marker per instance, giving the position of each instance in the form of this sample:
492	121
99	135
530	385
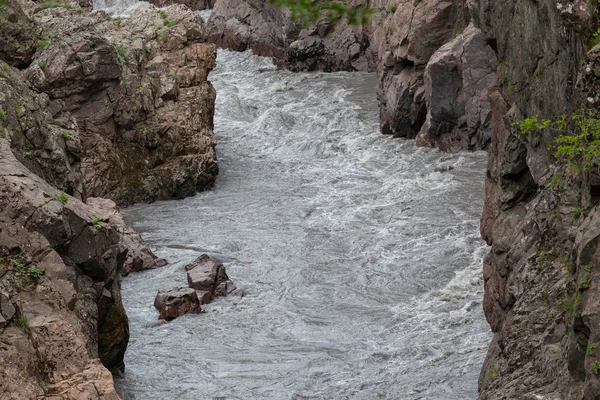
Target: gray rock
206	273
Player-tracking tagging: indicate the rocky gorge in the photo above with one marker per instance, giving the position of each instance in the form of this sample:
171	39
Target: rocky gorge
97	106
464	75
90	106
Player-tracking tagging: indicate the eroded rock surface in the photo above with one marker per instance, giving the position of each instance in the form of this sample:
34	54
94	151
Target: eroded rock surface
60	296
540	215
207	279
139	257
174	302
433	77
89	106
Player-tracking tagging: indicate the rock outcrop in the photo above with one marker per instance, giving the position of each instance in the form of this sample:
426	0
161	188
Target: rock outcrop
433	77
207	279
138	90
139	257
60	292
541	214
174	302
269	31
194	5
89	106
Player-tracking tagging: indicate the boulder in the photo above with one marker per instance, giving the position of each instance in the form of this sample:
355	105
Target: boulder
206	273
175	302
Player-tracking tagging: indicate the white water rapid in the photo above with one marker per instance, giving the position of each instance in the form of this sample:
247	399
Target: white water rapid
359	253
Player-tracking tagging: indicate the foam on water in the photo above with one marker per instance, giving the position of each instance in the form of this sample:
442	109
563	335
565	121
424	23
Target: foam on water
361	258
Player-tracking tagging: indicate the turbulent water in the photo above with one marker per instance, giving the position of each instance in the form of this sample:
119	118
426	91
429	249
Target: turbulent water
359	254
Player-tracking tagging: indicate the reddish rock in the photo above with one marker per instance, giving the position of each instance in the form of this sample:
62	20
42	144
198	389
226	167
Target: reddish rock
175	302
206	273
139	257
204	296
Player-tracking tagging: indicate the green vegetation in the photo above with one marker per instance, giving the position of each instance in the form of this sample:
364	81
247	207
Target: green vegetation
576	212
3	3
18	266
532	124
596	367
42	65
55	4
590	349
23	322
96	222
581	142
595	39
174	119
120	51
492	372
34	273
569	305
585	284
392	8
579	136
308	11
63	198
66	134
2	115
41	43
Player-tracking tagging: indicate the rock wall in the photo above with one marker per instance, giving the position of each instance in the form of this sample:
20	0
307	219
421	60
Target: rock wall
89	106
269	31
540	215
433	77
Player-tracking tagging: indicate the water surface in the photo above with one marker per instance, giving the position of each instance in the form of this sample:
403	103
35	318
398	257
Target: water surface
359	253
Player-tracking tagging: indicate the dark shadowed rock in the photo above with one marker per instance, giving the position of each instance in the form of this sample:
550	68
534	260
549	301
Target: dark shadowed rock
458	78
192	4
175	302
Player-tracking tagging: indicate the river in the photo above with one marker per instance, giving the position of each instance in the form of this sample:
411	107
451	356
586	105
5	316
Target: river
359	253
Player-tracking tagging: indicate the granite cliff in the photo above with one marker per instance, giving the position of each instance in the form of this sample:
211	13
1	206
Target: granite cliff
90	106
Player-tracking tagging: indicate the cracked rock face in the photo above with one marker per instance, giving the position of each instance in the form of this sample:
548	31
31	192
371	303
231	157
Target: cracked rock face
137	107
426	87
91	106
60	295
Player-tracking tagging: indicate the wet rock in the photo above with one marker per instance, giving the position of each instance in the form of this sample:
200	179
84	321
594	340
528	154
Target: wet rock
139	257
206	273
175	302
204	296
